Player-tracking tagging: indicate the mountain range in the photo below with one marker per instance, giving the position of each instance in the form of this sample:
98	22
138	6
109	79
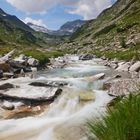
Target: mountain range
67	29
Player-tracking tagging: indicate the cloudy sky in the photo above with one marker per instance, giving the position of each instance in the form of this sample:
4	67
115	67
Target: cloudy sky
53	13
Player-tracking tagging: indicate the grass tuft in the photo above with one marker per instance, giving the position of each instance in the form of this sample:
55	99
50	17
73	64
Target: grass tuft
121	123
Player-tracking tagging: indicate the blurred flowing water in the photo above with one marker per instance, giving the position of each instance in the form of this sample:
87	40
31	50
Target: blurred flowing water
66	117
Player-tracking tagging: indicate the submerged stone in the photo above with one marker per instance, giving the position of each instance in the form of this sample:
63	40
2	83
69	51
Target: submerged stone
87	96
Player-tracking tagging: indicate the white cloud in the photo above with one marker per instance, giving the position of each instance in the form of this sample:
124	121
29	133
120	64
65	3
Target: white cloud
90	8
38	22
87	8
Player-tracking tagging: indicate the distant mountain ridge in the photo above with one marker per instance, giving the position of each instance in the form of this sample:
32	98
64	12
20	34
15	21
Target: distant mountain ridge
67	29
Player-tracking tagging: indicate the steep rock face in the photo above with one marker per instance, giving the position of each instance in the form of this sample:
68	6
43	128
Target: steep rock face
115	32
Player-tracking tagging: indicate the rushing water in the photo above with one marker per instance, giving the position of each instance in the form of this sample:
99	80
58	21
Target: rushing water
64	119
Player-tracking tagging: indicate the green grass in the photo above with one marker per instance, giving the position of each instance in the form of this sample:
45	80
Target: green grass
43	57
120	123
38	53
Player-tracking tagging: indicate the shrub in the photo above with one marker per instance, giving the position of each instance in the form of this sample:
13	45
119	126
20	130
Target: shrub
120	123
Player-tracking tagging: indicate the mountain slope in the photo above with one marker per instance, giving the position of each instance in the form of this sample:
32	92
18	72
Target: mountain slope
114	34
14	21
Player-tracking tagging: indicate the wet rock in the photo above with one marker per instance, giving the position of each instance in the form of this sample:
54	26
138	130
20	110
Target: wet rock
87	96
1	73
135	67
7	105
6	86
8	75
95	77
86	57
48	96
33	62
24	111
48	84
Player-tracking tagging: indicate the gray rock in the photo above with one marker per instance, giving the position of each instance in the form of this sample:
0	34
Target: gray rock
122	87
7	105
33	62
48	96
48	84
8	75
134	75
1	73
135	67
114	65
21	59
124	67
6	86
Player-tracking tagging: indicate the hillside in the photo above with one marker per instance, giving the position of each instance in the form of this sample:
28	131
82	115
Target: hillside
114	34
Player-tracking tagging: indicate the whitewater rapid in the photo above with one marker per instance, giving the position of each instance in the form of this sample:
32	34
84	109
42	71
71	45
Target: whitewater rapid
66	117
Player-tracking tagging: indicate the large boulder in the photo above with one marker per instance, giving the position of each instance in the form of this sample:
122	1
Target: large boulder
122	87
48	95
135	67
33	62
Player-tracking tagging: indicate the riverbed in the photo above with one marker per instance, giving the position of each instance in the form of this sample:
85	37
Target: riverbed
66	117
